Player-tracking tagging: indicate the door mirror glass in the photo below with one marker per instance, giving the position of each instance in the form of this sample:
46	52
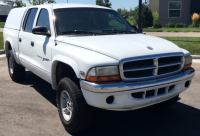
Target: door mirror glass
41	30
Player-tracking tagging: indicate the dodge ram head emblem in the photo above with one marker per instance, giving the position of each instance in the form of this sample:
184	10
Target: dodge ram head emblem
149	47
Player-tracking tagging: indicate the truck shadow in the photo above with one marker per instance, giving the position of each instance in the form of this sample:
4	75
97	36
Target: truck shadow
180	119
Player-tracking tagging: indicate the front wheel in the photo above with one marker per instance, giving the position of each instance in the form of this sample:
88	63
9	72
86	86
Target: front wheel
75	114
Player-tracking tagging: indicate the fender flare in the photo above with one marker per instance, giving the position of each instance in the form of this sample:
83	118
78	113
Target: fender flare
65	60
8	39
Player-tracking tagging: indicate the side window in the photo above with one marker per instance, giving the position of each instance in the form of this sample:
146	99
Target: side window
43	19
29	19
25	19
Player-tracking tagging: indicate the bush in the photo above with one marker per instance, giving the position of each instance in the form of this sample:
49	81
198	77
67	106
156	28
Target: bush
170	25
147	18
180	25
195	20
157	25
155	17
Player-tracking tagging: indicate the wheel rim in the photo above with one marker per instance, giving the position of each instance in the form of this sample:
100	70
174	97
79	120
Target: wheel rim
66	105
11	65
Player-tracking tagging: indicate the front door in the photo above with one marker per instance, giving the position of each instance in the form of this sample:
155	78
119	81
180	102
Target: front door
42	45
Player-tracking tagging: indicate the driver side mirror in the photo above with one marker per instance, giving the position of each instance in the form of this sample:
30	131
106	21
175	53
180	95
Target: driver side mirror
41	30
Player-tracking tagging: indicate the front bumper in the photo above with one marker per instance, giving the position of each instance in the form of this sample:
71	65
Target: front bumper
96	94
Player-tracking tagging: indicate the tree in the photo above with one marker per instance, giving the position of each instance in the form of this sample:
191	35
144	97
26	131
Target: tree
105	3
23	4
38	2
147	18
18	4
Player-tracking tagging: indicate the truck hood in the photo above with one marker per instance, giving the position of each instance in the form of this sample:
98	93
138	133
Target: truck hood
123	46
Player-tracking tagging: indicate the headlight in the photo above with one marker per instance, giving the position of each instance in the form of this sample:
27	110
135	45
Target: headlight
103	74
188	63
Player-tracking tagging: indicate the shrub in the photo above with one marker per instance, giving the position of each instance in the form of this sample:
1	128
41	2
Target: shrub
157	25
180	25
147	18
195	20
170	25
155	17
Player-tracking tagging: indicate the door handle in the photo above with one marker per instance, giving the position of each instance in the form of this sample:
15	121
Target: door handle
20	39
32	43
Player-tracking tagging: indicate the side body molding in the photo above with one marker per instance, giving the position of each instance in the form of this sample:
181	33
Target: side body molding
65	60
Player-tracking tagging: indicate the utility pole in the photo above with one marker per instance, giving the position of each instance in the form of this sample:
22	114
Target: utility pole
140	17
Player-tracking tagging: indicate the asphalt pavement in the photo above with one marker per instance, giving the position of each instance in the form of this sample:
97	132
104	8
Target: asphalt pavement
28	108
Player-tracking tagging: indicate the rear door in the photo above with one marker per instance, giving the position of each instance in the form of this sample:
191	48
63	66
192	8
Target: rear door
25	36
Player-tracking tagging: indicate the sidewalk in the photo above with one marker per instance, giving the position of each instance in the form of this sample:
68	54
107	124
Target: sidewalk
1	29
173	34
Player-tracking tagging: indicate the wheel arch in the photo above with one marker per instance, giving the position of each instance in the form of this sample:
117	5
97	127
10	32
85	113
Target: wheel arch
8	46
63	62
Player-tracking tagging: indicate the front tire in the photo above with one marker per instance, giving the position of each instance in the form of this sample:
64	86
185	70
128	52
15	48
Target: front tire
16	71
75	114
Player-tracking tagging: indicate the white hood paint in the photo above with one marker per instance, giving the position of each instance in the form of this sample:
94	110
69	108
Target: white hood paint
123	46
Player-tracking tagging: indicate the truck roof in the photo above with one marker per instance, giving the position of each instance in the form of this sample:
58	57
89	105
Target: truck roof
71	5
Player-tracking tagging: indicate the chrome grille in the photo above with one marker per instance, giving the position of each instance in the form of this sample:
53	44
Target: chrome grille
151	66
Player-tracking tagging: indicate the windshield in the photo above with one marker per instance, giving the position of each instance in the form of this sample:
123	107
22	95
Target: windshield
90	21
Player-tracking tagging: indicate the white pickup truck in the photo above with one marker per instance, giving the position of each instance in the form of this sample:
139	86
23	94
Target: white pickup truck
94	58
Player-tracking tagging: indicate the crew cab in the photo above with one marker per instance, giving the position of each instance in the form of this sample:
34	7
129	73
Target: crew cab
94	58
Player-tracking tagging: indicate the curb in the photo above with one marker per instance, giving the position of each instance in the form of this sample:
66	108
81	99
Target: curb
2	52
195	56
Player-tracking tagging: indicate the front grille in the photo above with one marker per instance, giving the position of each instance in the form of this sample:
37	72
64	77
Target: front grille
169	60
168	69
138	64
151	67
140	73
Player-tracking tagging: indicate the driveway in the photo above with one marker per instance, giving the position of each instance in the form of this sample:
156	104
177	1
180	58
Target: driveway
28	108
171	34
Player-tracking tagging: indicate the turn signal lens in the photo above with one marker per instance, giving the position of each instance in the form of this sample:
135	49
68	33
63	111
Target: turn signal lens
187	67
102	78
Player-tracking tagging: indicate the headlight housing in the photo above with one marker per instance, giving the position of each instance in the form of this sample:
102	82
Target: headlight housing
103	74
188	63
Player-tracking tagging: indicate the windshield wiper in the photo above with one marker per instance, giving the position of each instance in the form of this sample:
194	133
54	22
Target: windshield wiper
82	32
119	31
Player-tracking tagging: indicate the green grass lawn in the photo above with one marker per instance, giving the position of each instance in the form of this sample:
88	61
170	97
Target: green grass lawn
192	44
1	41
2	24
171	29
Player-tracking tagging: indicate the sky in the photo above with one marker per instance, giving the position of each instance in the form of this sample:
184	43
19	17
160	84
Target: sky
115	3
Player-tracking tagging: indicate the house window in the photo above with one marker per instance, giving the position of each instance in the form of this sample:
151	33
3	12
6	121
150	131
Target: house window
175	8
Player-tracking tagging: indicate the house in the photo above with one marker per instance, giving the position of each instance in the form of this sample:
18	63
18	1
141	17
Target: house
175	11
5	7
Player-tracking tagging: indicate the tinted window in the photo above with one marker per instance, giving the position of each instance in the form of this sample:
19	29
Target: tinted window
29	22
25	19
90	20
43	19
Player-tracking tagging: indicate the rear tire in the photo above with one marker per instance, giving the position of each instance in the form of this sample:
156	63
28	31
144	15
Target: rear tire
167	103
16	71
75	114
